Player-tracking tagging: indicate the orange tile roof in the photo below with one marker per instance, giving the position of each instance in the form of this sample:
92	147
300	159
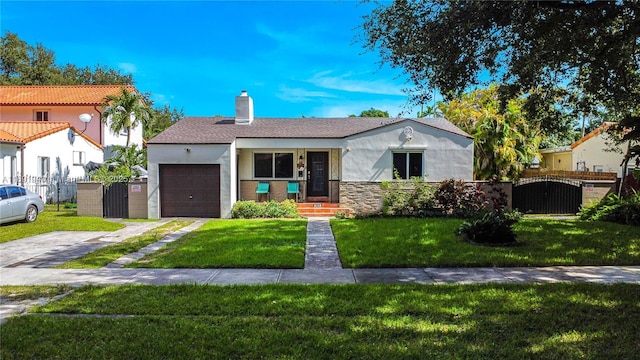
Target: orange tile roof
5	136
58	95
26	131
596	131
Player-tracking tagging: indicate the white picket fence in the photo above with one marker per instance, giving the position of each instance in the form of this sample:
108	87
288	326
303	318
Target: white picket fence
51	190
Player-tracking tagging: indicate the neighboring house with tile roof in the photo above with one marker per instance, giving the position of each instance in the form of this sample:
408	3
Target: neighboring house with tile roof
201	166
65	103
593	152
29	151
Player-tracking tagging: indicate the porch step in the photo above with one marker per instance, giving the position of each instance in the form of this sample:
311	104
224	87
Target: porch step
318	199
320	209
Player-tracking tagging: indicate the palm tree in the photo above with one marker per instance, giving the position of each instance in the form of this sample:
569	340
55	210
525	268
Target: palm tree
124	111
504	143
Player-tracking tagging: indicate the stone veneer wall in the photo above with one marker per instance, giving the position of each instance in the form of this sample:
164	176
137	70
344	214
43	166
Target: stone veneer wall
89	199
366	197
361	197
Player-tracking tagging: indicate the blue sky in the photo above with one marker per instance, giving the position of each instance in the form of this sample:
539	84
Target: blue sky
293	57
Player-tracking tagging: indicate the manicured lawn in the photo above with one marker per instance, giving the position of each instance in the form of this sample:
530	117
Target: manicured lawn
235	244
18	293
490	321
433	243
106	255
51	220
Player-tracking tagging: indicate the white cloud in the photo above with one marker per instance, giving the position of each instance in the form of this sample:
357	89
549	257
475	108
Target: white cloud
128	68
347	82
300	95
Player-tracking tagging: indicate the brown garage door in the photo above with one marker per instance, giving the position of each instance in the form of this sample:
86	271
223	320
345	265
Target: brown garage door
190	190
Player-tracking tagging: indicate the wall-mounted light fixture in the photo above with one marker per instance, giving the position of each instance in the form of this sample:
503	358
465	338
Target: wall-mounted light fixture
300	166
187	149
86	119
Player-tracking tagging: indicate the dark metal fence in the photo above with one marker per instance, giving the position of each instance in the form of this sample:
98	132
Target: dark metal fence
547	195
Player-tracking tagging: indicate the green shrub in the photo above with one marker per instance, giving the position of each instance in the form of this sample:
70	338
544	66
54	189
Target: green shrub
492	228
457	199
414	198
249	209
290	208
612	208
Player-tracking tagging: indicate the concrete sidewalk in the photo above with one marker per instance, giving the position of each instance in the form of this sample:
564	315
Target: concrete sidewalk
116	276
29	262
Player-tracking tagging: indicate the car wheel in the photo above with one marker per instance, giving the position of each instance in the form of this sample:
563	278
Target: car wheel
32	214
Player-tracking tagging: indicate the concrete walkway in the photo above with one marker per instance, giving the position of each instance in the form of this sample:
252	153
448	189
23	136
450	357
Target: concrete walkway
29	261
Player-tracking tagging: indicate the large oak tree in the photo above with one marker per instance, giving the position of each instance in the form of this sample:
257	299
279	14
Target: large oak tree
567	57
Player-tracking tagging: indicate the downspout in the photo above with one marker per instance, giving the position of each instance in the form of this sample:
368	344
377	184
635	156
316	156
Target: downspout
21	164
99	127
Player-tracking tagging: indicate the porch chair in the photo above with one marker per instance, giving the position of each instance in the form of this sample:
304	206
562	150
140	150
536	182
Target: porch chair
263	188
293	187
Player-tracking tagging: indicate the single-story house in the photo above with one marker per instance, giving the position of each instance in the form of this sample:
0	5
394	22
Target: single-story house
29	151
201	166
593	152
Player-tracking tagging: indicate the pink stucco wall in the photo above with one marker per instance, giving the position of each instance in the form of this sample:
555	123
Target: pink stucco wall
57	113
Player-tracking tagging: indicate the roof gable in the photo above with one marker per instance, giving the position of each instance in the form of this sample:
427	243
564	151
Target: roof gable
27	131
592	134
224	130
59	95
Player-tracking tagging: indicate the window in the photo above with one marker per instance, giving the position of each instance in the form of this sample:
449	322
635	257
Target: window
273	165
407	164
15	192
3	193
78	158
41	115
43	166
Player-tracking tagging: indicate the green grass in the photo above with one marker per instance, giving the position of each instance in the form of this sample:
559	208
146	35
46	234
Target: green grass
433	243
489	321
108	254
235	244
52	220
18	293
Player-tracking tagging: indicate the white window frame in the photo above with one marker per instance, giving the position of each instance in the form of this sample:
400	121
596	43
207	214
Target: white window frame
44	113
273	165
407	163
44	166
79	158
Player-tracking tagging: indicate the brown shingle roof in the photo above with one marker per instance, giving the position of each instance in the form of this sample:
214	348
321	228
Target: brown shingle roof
223	130
26	131
58	95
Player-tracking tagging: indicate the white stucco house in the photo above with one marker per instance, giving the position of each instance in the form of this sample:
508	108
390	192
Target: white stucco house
65	103
34	149
201	166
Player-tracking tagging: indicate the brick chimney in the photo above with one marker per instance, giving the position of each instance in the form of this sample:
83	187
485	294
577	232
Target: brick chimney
244	108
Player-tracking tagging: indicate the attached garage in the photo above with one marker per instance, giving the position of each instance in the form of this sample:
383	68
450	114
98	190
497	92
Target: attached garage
190	190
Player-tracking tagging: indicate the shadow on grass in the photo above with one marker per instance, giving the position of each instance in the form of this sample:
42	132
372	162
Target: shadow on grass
568	321
274	244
